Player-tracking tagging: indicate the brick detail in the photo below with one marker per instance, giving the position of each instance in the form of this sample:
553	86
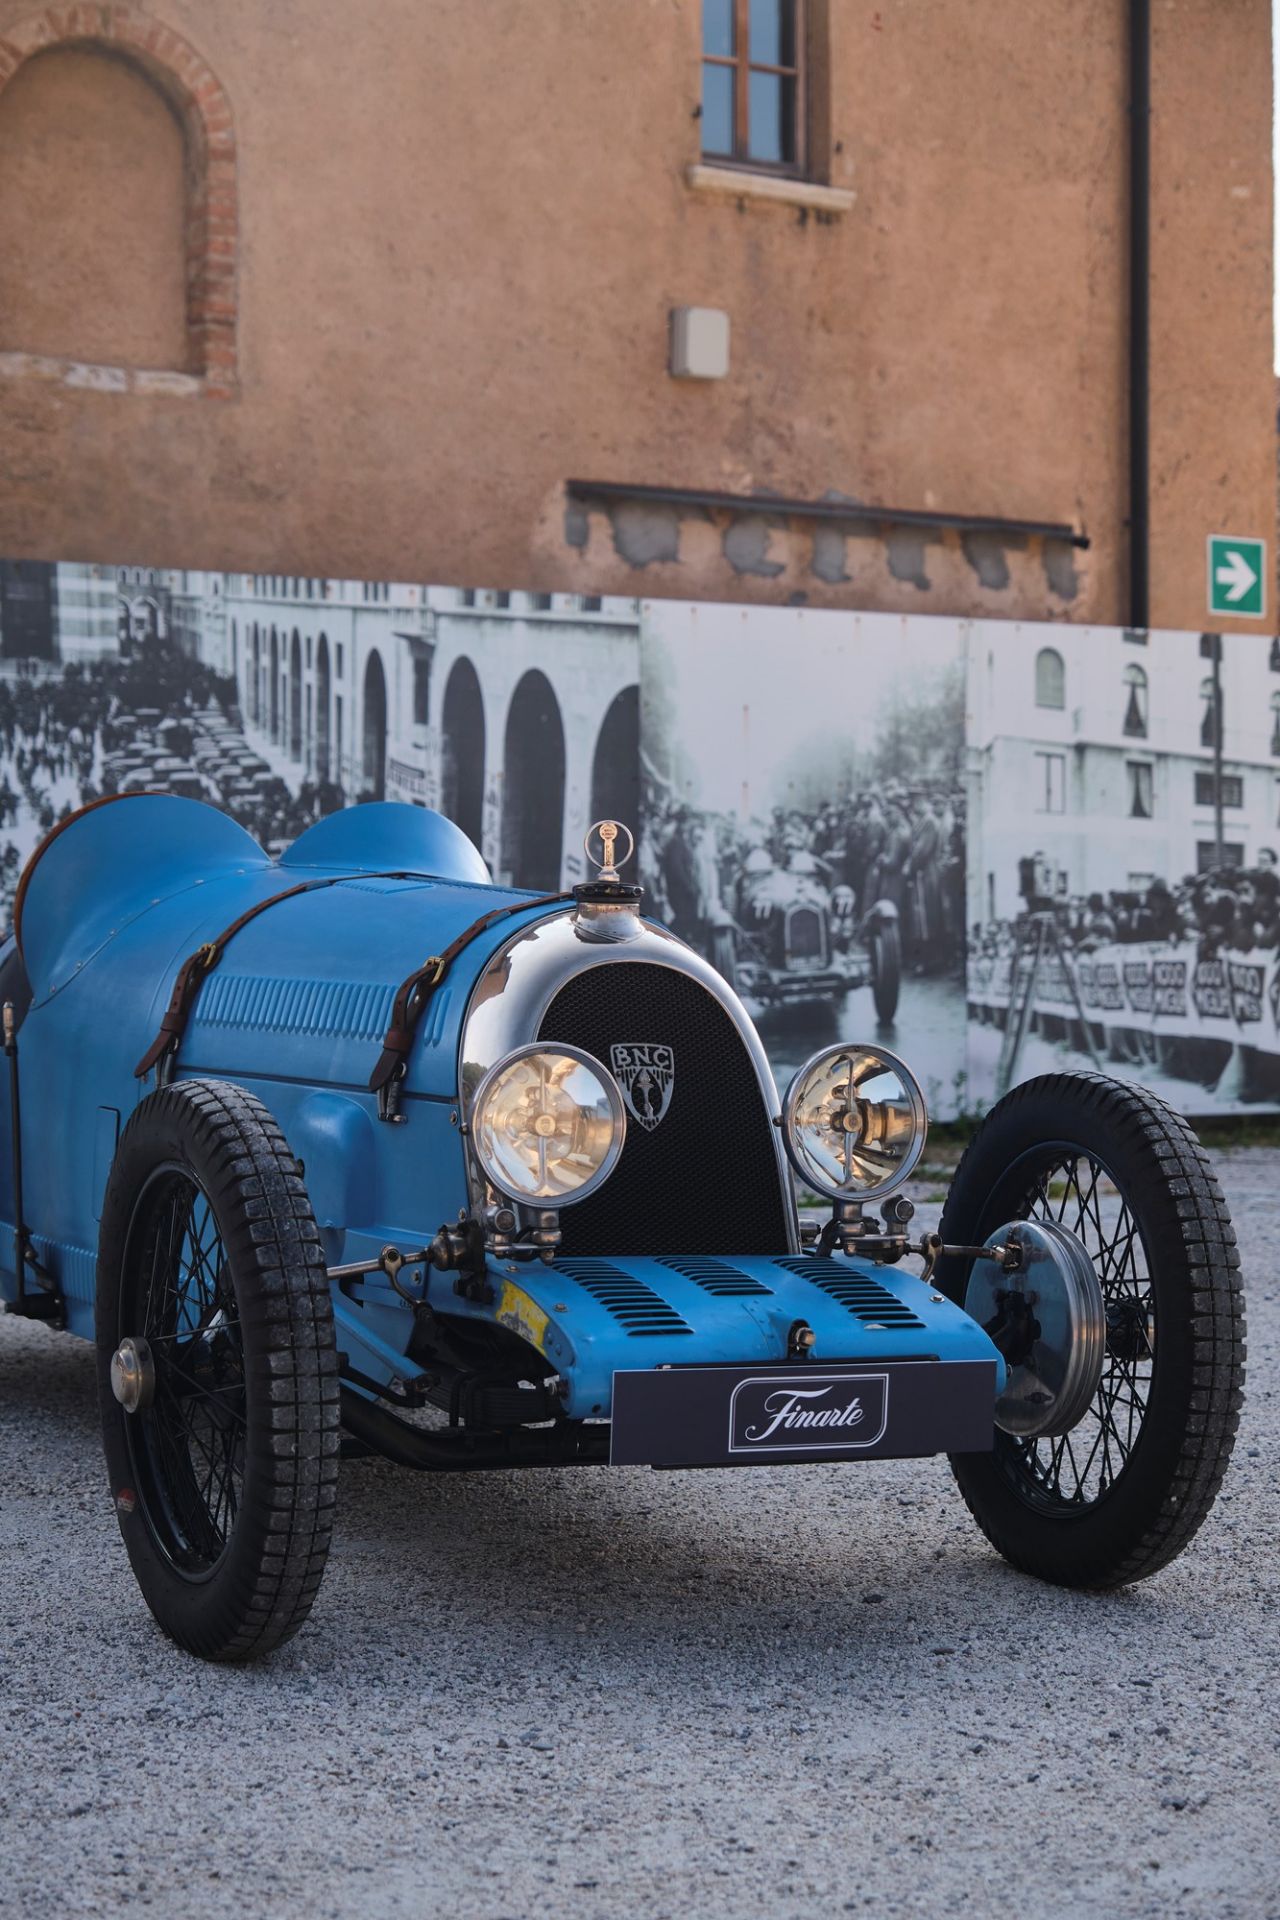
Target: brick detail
213	222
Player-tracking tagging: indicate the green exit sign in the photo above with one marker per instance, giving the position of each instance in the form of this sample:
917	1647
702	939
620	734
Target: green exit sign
1237	576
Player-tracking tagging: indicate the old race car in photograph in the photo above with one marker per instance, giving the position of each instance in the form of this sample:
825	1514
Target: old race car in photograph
352	1150
791	940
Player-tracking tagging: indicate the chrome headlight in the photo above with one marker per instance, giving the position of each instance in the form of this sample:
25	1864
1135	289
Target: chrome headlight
854	1122
547	1125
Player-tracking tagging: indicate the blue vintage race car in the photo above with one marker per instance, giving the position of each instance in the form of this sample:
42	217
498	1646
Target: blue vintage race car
353	1151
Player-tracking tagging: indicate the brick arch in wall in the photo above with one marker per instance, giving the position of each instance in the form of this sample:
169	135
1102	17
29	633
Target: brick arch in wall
187	82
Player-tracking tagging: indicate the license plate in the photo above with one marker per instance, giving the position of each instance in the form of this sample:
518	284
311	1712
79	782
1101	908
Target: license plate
740	1416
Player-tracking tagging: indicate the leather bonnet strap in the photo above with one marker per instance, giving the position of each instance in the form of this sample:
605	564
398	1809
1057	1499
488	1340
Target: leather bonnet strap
192	972
414	992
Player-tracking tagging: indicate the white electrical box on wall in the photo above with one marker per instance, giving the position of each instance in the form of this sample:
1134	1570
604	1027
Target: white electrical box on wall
699	343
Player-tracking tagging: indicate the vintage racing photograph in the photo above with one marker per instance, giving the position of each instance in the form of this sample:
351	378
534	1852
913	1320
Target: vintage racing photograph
804	822
1124	846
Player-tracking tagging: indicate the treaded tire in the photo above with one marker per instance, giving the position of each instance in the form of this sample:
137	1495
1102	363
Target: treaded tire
886	970
1130	1524
724	954
236	1581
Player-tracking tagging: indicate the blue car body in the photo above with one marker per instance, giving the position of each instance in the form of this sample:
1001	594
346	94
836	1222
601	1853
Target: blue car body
296	1011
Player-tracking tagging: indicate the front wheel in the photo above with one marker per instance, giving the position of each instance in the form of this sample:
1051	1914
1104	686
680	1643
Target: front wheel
217	1370
885	944
1119	1494
724	954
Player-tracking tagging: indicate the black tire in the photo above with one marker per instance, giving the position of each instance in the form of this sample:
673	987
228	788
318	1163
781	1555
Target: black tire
885	944
724	954
225	1486
1122	1494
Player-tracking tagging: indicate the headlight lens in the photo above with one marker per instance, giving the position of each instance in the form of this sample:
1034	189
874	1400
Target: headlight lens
854	1122
547	1125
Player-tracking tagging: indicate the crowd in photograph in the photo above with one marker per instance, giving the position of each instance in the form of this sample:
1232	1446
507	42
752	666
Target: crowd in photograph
1226	907
1178	980
899	843
153	719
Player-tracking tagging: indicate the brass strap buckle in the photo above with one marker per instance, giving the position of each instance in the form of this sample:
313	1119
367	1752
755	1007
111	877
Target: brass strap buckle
425	982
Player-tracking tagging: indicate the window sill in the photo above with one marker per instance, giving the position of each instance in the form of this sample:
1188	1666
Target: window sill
739	183
105	379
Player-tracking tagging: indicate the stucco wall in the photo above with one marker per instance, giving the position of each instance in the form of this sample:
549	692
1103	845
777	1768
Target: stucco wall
1212	387
458	234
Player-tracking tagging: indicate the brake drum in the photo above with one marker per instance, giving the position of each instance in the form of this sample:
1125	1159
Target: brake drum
1048	1319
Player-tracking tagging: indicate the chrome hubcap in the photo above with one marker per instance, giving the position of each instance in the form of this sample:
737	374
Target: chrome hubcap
1048	1320
133	1375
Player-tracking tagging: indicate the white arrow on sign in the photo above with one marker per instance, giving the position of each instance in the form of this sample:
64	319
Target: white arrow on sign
1237	576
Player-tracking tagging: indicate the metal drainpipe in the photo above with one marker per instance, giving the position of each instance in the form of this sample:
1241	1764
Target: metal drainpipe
1219	828
1139	311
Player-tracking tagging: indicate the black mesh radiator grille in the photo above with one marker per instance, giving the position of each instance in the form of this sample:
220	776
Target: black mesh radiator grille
804	934
705	1180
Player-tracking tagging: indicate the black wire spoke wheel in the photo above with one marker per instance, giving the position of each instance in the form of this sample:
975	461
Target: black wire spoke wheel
188	1446
218	1371
1120	1494
1070	1471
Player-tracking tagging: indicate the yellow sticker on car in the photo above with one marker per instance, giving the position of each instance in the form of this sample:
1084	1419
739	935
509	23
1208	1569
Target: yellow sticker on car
523	1316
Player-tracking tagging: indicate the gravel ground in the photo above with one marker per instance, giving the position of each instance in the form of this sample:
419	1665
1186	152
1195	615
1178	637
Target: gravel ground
798	1692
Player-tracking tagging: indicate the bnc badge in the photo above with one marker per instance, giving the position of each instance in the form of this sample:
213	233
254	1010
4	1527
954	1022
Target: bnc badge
646	1075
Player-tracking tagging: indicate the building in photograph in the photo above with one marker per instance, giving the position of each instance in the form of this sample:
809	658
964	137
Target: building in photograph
516	714
97	605
197	613
1091	762
529	723
51	613
143	598
28	611
801	301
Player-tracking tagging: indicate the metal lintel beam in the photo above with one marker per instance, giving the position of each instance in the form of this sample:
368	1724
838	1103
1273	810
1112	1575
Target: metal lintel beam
848	512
